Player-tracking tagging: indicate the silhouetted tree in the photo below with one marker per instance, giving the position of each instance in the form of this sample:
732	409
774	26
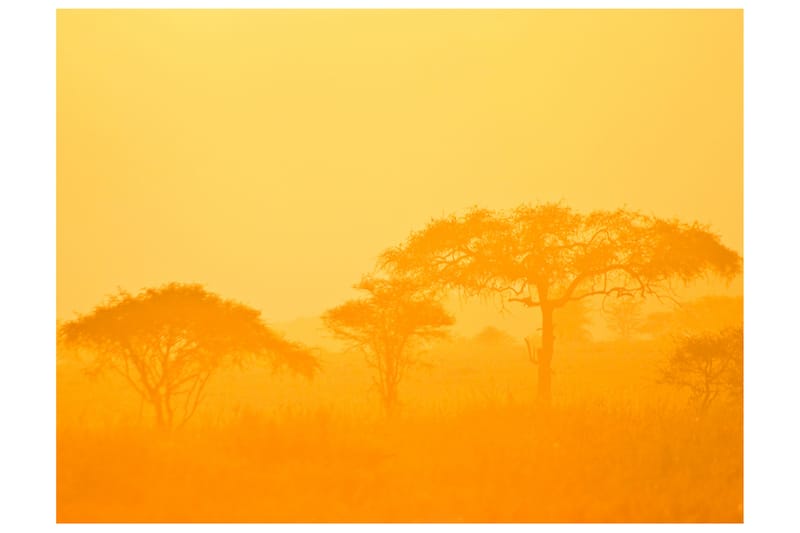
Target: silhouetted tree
707	364
548	255
167	342
624	316
388	326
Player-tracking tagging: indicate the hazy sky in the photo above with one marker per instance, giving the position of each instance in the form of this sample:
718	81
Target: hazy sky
273	155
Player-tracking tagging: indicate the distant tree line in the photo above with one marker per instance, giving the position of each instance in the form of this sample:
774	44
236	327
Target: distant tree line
168	342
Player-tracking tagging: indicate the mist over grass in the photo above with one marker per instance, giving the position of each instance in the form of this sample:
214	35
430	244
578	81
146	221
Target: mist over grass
485	464
468	445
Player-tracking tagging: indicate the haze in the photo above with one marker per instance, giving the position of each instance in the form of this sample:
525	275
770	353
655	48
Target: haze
273	155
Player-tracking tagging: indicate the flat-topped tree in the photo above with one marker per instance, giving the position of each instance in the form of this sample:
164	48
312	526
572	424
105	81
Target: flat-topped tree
167	342
389	325
547	255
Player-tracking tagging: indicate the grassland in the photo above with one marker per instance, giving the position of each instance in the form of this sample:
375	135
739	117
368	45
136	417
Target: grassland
468	446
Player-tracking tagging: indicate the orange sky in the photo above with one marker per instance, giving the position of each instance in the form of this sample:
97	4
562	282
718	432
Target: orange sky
273	155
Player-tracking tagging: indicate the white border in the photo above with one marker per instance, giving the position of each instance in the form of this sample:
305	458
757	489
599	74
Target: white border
27	283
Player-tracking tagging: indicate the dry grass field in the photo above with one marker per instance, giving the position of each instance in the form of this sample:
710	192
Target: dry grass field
469	445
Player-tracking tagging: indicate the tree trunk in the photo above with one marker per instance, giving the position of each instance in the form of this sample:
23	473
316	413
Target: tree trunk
160	422
544	395
390	400
163	416
168	410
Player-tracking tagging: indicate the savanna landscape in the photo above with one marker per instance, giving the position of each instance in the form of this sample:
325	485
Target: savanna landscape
399	266
471	447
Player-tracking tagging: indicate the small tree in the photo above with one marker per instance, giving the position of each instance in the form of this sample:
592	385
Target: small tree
167	342
624	316
707	364
389	326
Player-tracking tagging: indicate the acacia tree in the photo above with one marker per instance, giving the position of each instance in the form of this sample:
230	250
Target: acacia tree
624	317
389	326
167	342
548	255
707	364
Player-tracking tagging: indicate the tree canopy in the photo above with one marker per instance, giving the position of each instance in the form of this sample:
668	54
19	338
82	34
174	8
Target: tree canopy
167	342
547	255
552	254
388	326
624	316
707	364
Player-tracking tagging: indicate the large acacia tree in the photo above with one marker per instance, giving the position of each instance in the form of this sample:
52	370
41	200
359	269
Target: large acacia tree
548	255
167	342
389	325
